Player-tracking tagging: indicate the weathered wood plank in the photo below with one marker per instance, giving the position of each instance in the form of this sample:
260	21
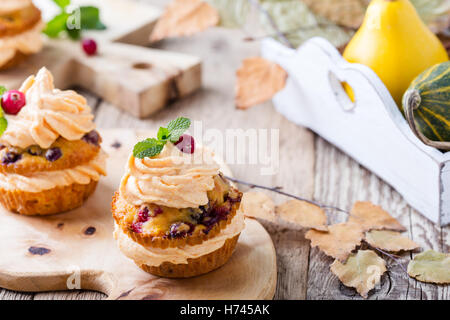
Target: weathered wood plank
340	181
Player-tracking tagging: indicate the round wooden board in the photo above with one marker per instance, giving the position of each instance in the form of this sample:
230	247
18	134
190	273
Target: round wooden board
52	253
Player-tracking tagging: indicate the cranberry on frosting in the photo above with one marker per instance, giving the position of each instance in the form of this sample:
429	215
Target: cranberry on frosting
49	113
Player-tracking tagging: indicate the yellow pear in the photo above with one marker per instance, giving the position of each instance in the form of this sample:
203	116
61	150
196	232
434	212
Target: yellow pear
395	43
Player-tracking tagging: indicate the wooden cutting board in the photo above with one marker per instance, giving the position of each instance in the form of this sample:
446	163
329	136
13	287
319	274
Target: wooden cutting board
77	250
136	79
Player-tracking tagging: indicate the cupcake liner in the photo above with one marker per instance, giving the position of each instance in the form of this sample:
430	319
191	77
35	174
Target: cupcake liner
197	266
120	209
47	202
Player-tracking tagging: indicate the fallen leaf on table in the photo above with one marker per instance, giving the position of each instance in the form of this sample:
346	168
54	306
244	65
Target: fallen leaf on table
430	266
303	213
183	18
258	205
391	241
340	240
348	13
258	80
370	216
362	271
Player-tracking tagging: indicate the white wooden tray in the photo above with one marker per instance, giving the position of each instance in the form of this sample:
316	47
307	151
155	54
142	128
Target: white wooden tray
372	130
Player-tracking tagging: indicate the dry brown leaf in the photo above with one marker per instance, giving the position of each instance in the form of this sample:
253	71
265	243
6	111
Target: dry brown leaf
258	205
348	13
183	18
303	213
258	80
362	271
430	266
391	241
370	216
340	240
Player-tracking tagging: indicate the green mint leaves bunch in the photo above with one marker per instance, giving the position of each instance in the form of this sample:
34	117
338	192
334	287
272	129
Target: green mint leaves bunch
72	23
152	147
3	121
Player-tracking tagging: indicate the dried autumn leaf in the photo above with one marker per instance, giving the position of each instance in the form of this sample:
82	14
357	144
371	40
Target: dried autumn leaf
362	271
430	266
183	18
391	241
303	213
349	13
340	240
258	205
370	216
258	80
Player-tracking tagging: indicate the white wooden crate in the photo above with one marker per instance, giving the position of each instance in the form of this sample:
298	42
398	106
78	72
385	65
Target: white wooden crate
372	130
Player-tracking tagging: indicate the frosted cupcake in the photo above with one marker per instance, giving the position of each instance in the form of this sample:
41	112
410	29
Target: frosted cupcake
50	152
20	31
175	214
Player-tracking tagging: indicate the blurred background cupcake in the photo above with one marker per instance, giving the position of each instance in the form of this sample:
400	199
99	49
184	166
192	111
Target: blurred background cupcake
20	31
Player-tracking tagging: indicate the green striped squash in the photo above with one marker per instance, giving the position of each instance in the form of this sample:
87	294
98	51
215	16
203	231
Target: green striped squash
429	95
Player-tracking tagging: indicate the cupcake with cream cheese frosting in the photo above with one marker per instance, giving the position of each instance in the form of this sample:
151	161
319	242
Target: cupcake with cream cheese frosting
20	31
175	214
50	156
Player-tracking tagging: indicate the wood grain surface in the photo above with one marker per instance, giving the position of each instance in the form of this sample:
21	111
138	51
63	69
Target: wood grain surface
309	167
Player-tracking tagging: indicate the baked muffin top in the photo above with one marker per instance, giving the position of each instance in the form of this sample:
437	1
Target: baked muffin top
18	21
164	226
62	154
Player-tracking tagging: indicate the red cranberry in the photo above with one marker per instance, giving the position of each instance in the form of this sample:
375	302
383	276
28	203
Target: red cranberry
143	215
136	227
11	157
92	137
186	144
53	154
89	46
157	210
13	101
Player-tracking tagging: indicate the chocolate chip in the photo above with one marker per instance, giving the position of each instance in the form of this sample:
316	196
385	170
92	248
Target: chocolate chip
38	250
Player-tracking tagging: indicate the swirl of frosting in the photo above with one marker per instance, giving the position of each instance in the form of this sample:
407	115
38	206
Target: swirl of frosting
48	114
172	178
27	42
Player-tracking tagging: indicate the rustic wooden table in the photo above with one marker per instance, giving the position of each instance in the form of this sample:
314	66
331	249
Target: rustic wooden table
309	167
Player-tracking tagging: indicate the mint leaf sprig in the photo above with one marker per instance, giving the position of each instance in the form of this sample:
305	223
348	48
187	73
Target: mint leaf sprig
3	121
152	147
89	19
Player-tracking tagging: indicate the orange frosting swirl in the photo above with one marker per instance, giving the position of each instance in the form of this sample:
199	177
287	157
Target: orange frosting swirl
172	178
48	114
